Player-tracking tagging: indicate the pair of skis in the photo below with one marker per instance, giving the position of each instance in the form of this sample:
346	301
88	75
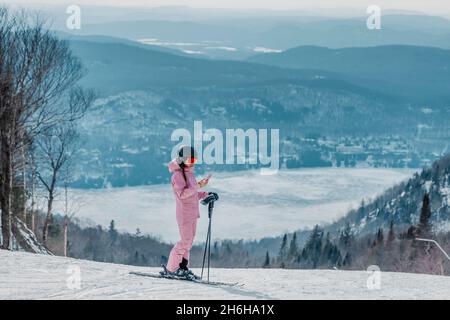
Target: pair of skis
166	275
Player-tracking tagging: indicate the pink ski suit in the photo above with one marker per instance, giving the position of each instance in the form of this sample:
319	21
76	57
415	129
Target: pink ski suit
187	197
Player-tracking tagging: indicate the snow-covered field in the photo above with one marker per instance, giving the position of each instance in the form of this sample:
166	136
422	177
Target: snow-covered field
251	205
30	276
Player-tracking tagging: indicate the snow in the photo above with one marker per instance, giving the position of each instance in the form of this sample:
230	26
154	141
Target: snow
445	192
29	238
426	110
192	52
427	185
222	48
266	50
31	276
251	205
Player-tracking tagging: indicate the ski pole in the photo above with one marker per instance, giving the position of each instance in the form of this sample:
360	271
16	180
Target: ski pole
209	200
210	210
206	246
208	241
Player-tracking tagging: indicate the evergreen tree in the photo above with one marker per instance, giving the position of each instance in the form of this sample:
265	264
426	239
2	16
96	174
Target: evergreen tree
435	177
216	249
361	213
420	253
346	236
312	251
293	249
144	260
425	215
411	233
337	258
391	235
267	261
283	248
347	260
380	236
112	232
327	252
228	249
138	233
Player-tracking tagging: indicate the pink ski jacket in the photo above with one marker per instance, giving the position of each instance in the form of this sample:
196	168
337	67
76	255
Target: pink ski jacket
186	193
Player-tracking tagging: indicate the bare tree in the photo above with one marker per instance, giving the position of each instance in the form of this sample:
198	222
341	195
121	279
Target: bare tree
6	124
33	178
67	217
38	74
55	148
72	204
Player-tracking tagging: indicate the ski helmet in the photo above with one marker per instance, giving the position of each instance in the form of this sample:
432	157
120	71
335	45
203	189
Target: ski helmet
185	153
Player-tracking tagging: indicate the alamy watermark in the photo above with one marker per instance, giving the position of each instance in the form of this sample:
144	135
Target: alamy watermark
374	20
236	146
73	281
374	279
73	22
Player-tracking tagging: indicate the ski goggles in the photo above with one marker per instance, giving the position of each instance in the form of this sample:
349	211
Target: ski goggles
192	160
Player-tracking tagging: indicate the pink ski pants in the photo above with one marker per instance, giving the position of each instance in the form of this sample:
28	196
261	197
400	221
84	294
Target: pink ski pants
182	248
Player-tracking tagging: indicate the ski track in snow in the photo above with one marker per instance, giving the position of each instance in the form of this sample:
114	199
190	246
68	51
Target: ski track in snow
31	276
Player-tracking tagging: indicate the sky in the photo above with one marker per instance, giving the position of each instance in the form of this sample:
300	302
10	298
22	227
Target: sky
436	7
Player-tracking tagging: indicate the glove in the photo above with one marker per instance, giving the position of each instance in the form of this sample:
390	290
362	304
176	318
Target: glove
212	196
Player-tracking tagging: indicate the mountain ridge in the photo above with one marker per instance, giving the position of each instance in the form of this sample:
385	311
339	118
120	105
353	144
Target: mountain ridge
412	72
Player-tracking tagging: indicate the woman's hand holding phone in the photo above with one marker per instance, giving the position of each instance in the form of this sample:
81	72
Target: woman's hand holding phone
204	181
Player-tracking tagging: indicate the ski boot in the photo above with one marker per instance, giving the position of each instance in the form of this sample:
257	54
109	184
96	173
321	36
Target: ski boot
180	274
184	266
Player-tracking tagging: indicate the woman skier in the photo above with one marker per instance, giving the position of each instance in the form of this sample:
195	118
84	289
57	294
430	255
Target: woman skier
187	196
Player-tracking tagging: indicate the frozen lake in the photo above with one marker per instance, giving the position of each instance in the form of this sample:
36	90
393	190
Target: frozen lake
251	205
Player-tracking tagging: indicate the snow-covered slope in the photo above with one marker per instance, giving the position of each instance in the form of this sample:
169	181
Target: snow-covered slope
31	276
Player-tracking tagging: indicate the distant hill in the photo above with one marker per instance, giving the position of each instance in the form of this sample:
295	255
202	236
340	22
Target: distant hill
414	73
118	67
242	36
402	203
115	40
